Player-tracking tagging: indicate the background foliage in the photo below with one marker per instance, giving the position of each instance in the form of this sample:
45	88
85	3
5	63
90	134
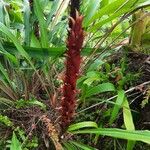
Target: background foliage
32	53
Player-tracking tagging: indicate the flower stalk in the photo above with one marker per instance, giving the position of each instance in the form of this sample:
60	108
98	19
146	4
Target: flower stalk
73	60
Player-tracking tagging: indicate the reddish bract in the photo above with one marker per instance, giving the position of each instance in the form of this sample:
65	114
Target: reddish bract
74	45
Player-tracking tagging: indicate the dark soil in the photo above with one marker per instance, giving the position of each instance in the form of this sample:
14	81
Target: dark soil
139	62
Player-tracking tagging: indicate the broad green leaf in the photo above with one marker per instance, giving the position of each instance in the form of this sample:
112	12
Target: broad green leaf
108	9
104	87
93	74
35	51
104	3
117	106
89	81
91	10
41	52
126	6
128	121
91	77
96	65
84	124
15	144
110	18
42	23
138	135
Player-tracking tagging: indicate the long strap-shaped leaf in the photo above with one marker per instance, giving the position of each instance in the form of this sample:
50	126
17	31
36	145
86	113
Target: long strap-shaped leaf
42	52
27	22
6	31
42	23
128	121
138	135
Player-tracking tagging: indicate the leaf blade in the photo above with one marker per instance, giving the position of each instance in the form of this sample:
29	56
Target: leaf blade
104	87
83	124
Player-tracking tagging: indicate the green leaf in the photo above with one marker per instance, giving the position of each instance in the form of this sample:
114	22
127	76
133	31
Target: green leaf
5	120
91	10
35	51
6	31
138	135
15	144
19	47
91	77
104	87
108	9
23	103
35	42
117	106
27	25
85	124
121	7
128	121
127	116
54	8
68	146
42	23
8	55
41	52
81	145
63	6
104	3
2	16
4	72
110	18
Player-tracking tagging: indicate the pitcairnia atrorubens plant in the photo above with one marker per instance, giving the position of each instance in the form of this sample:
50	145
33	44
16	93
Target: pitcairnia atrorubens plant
73	60
30	87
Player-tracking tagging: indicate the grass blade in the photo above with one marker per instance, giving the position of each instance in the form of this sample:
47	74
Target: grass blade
117	106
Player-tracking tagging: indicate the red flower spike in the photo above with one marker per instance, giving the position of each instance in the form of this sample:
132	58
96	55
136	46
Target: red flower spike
73	60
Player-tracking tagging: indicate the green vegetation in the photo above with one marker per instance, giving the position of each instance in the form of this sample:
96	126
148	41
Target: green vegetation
110	108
